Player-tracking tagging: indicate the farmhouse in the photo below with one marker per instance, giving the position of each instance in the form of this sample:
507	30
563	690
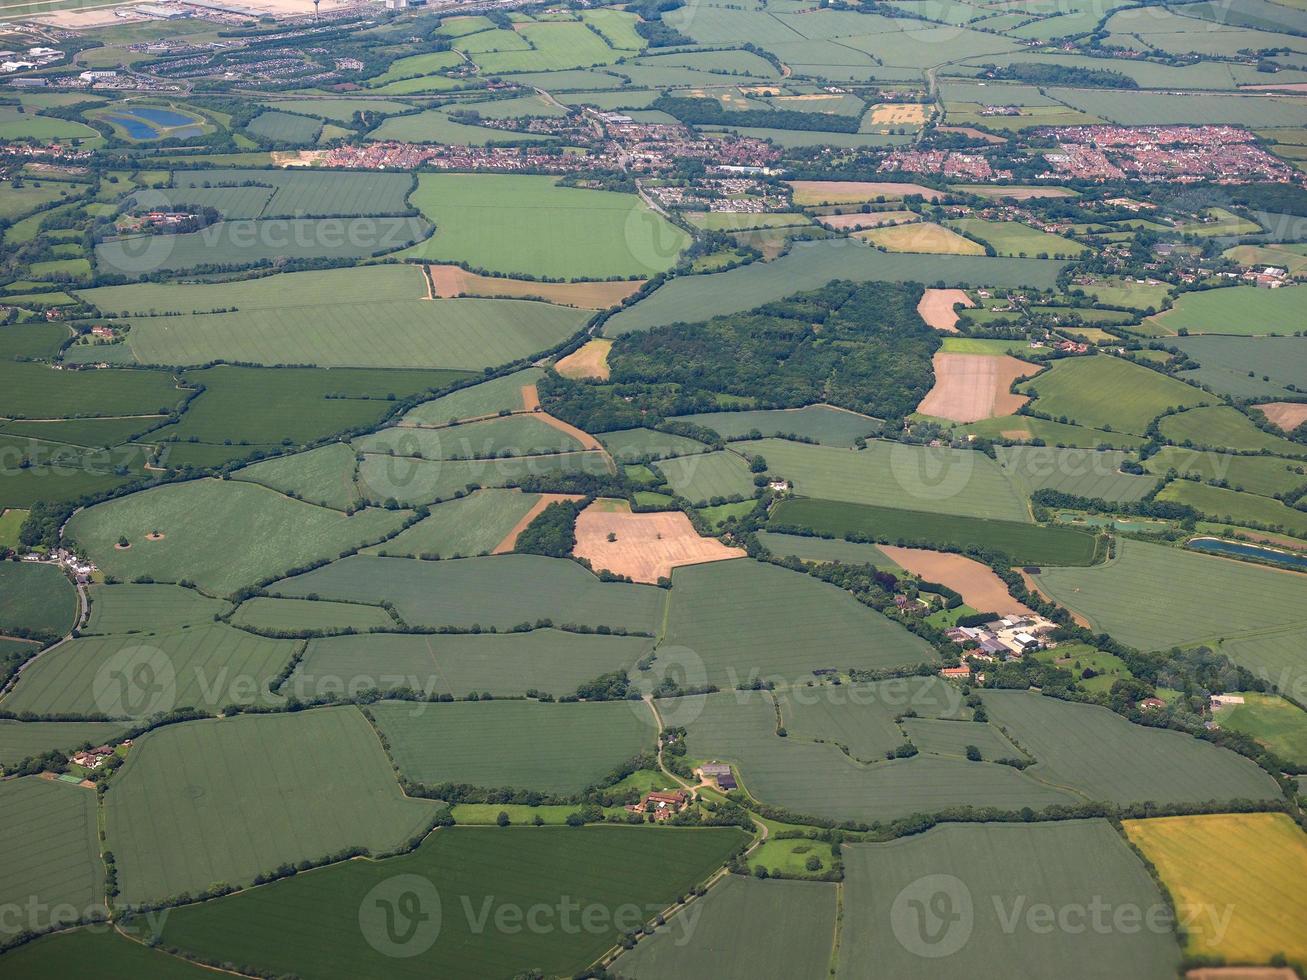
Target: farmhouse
91	758
956	673
661	805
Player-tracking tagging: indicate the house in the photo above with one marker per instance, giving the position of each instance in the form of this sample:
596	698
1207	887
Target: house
956	673
91	758
661	804
104	333
1027	643
1152	704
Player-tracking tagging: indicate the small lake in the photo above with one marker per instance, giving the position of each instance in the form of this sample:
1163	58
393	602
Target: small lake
165	118
137	129
1236	549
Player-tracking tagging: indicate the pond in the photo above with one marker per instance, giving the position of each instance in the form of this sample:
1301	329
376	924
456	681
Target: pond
163	118
1236	549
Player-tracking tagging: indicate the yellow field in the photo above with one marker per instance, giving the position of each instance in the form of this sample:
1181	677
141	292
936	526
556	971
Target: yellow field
590	361
900	114
921	237
808	192
1249	867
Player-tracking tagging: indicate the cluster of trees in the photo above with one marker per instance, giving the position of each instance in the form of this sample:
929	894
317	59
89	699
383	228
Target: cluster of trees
710	112
553	532
861	346
1042	73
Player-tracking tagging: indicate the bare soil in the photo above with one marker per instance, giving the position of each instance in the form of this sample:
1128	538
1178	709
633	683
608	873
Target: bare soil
590	361
646	546
971	387
1285	415
936	308
980	588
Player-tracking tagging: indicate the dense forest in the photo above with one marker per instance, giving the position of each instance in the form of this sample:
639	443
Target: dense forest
859	346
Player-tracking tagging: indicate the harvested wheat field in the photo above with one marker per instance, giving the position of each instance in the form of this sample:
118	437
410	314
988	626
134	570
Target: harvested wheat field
979	587
450	281
936	308
875	219
924	236
645	546
854	191
590	361
998	192
971	387
898	114
510	539
974	134
1286	415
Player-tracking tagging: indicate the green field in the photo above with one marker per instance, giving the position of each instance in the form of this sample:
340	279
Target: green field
1233	507
470	525
738	621
226	800
1025	428
130	608
1246	367
805	776
519	435
21	739
822	423
322	476
1128	293
474	401
98	952
1248	864
501	591
1265	475
51	873
946	481
1222	427
1024	543
312	924
298	192
502	664
206	667
1154	597
271	615
1107	392
1100	756
1014	238
414	481
36	597
824	549
629	445
791	926
952	739
94	433
1000	874
260	406
1242	310
200	519
810	265
704	477
1278	724
35	391
529	225
1083	472
550	748
284	127
312	318
243	242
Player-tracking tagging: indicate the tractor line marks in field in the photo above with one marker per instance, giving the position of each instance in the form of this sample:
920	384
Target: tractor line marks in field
644	546
510	539
971	387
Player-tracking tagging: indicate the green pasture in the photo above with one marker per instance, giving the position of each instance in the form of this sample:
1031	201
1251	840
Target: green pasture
36	597
30	390
531	225
98	952
1014	238
178	824
1246	367
823	423
149	608
475	401
549	748
1235	507
705	476
271	615
200	519
1265	475
733	622
460	528
1240	310
1222	427
298	192
284	127
414	481
515	435
1278	724
501	591
322	476
1082	472
647	444
1107	392
824	549
458	664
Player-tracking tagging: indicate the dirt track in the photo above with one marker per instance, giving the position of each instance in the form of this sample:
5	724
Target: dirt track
936	308
971	387
980	588
647	546
510	539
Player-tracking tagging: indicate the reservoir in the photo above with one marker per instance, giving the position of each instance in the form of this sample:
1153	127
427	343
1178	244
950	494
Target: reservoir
1236	549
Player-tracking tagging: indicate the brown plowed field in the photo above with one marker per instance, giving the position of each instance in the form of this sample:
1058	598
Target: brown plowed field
936	308
451	281
1287	415
971	387
979	587
646	546
590	361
